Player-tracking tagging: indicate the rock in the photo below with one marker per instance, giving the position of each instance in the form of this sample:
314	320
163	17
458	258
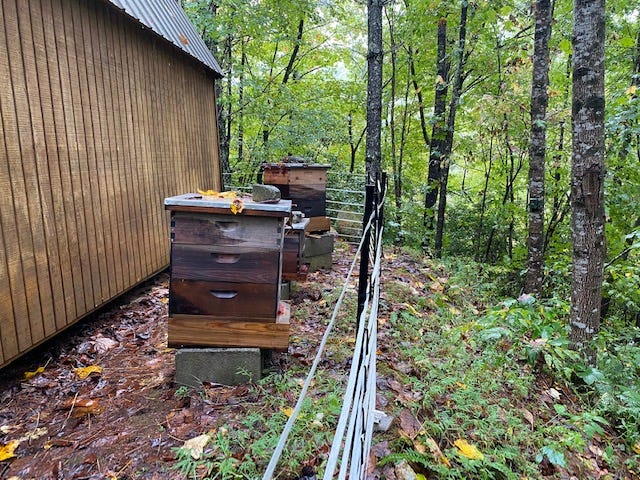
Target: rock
404	471
381	421
266	193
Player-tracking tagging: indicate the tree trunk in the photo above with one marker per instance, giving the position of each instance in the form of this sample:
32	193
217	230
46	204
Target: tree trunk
456	91
537	147
296	48
243	63
438	133
397	180
374	89
587	173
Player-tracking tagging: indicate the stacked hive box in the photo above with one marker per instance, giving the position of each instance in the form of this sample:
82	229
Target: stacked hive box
293	266
226	273
306	186
302	183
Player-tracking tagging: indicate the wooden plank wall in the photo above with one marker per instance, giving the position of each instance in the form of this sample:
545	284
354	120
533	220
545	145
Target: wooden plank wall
99	121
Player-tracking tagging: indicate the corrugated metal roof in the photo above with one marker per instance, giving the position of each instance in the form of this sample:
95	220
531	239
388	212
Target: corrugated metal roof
167	19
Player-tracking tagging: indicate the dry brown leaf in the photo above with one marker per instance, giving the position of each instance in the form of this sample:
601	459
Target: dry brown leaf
528	416
436	452
6	429
103	344
34	435
409	424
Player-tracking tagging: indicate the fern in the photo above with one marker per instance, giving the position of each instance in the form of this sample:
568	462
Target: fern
410	456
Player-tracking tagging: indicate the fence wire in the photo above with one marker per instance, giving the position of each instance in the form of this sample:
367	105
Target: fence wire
352	439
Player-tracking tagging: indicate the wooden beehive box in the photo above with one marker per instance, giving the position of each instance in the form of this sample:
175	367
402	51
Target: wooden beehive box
226	271
304	184
293	265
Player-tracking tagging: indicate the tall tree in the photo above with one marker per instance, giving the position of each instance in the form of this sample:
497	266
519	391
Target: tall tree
537	145
438	132
587	172
447	146
374	89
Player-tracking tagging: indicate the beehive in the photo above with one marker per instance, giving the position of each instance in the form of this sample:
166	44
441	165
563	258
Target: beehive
226	271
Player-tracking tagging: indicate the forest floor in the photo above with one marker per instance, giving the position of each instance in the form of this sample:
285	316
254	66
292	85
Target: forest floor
460	412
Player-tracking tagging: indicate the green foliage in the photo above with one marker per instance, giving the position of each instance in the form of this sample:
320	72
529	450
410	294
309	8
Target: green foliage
243	449
537	332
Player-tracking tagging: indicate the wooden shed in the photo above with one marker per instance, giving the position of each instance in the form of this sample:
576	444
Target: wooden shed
106	108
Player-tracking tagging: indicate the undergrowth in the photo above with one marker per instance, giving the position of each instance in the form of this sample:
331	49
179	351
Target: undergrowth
504	379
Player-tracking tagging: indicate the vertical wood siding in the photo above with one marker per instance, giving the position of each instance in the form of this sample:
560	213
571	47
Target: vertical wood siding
99	122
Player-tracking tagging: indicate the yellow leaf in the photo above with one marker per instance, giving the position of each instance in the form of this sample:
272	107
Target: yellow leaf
288	411
467	450
7	450
196	445
632	90
229	194
237	206
86	371
164	300
208	193
461	386
413	311
420	476
30	375
636	448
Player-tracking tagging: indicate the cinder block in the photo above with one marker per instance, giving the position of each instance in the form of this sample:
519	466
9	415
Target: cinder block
217	365
285	290
319	244
319	261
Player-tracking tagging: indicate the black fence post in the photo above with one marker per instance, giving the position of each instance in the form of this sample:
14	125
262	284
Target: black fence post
363	279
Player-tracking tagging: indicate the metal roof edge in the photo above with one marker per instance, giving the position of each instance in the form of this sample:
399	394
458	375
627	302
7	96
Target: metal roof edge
167	20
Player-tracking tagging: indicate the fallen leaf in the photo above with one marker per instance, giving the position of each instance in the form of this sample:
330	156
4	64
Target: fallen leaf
237	206
229	194
413	311
437	453
468	450
288	411
35	434
409	424
632	90
84	372
83	406
6	429
208	193
636	448
553	393
196	445
29	375
528	416
7	450
104	344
